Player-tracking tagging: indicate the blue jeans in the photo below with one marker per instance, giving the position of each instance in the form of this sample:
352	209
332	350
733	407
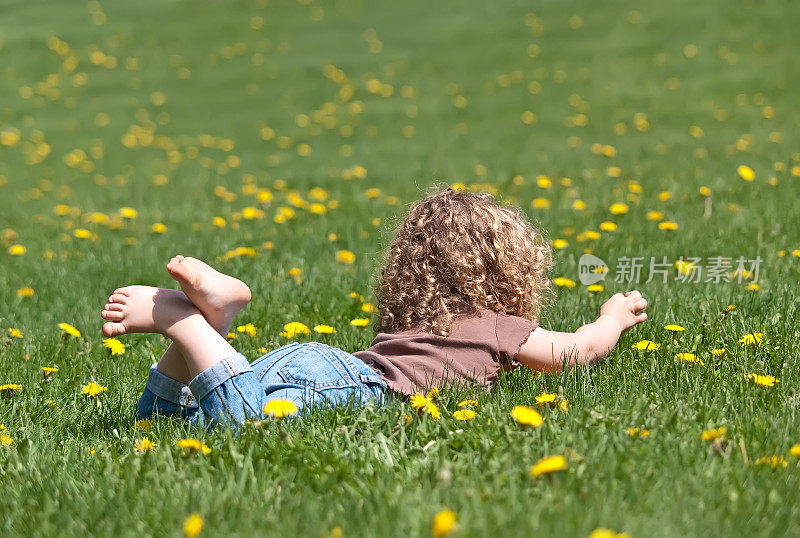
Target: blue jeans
233	390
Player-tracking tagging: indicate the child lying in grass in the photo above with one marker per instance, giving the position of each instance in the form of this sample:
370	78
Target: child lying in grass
459	299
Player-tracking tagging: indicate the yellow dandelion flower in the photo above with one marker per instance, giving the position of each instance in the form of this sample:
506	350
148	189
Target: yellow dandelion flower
252	213
752	287
548	465
144	445
464	414
10	388
540	203
764	380
752	339
467	403
345	256
292	329
193	446
443	523
69	329
116	347
795	450
689	358
248	329
318	209
668	225
192	525
49	370
92	389
369	307
746	173
558	244
773	461
618	208
564	282
526	416
546	398
654	215
638	432
590	235
324	329
159	228
17	250
406	417
359	322
684	267
128	213
674	328
218	222
608	226
719	352
646	345
608	533
713	434
25	292
15	333
280	408
595	288
6	440
143	425
425	405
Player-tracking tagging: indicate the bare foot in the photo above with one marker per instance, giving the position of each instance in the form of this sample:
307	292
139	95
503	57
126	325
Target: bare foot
144	309
218	296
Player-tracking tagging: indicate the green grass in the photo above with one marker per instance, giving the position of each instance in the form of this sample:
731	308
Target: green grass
365	470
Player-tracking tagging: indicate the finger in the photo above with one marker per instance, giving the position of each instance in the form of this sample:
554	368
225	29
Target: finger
641	304
642	316
634	295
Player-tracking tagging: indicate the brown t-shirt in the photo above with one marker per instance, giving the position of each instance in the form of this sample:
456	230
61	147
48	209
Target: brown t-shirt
472	354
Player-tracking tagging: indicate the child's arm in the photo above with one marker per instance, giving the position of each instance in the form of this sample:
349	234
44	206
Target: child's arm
547	350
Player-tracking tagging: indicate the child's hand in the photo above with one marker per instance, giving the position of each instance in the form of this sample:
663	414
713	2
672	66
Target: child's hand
626	309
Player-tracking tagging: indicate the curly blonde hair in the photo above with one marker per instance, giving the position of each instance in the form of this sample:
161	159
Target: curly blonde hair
457	253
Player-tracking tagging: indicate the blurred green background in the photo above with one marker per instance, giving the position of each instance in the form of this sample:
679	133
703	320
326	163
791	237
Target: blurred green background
293	131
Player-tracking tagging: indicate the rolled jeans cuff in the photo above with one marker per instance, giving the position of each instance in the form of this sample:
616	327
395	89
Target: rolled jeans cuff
170	390
214	376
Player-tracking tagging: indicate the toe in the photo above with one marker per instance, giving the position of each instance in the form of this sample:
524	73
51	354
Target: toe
179	271
114	306
123	291
113	329
112	315
118	298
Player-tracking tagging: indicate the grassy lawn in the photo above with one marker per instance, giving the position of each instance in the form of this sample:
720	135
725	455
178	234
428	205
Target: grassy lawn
269	136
